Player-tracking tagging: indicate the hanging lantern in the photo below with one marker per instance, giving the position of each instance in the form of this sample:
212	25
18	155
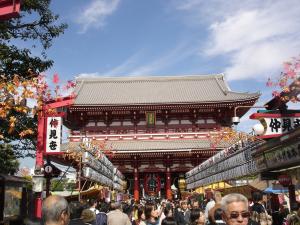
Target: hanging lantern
285	180
181	184
258	129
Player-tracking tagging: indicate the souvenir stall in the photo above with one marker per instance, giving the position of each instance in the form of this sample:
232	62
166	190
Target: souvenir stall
97	169
96	175
280	158
119	185
231	163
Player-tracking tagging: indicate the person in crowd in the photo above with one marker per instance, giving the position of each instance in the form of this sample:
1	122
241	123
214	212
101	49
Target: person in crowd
135	211
140	216
151	214
209	205
76	209
169	210
169	221
294	217
217	217
195	204
116	216
182	214
214	203
235	209
169	215
197	217
162	205
283	213
128	210
185	211
258	211
93	206
55	211
88	217
101	217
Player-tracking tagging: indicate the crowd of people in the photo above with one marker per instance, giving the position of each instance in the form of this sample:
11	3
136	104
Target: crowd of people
231	209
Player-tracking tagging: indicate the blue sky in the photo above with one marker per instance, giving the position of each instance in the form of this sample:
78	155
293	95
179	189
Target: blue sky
247	40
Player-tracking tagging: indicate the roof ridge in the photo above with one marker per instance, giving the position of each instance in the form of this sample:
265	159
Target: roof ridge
225	91
80	86
150	78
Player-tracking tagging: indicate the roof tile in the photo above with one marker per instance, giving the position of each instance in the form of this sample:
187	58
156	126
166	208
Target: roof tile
156	90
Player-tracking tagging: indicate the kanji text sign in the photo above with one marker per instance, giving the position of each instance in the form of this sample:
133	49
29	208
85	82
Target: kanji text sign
53	134
281	125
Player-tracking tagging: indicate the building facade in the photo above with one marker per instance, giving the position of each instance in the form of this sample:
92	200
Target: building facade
155	129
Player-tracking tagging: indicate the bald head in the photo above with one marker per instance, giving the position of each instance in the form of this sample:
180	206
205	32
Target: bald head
55	209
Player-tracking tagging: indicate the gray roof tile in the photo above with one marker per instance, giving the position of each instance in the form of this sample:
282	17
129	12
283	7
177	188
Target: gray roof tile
156	145
156	90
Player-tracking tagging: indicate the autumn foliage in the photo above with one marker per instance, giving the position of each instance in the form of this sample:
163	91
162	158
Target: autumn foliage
288	82
20	101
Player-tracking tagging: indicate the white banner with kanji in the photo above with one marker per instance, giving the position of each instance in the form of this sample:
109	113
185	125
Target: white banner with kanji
280	125
53	134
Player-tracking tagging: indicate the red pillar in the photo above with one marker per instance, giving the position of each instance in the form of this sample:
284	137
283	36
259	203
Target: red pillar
136	192
39	160
168	184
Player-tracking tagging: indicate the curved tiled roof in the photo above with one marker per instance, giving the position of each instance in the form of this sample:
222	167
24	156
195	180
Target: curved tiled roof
156	90
162	145
156	145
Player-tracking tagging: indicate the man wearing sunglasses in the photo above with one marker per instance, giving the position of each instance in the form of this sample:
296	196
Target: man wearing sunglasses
235	209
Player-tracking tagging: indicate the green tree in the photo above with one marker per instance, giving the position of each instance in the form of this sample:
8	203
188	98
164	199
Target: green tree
8	161
36	27
58	185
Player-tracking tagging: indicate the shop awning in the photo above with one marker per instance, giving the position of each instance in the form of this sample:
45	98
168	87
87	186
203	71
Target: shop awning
275	190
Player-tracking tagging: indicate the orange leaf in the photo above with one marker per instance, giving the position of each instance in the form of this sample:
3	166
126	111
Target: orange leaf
16	80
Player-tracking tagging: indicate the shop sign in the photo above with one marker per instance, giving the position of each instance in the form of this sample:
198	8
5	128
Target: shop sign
281	125
283	156
260	162
276	124
150	118
53	135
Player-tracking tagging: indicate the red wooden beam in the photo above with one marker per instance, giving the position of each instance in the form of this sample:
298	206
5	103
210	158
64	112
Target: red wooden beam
273	115
57	104
9	9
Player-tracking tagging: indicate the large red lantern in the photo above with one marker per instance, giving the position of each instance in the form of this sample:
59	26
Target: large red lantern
152	189
285	180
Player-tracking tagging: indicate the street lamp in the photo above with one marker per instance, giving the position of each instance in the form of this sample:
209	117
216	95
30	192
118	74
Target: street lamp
236	119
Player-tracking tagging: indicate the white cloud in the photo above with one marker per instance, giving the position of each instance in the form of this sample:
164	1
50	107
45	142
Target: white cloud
126	66
179	53
261	60
96	12
135	66
254	36
87	75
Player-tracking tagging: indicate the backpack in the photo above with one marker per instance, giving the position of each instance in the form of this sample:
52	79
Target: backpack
101	219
